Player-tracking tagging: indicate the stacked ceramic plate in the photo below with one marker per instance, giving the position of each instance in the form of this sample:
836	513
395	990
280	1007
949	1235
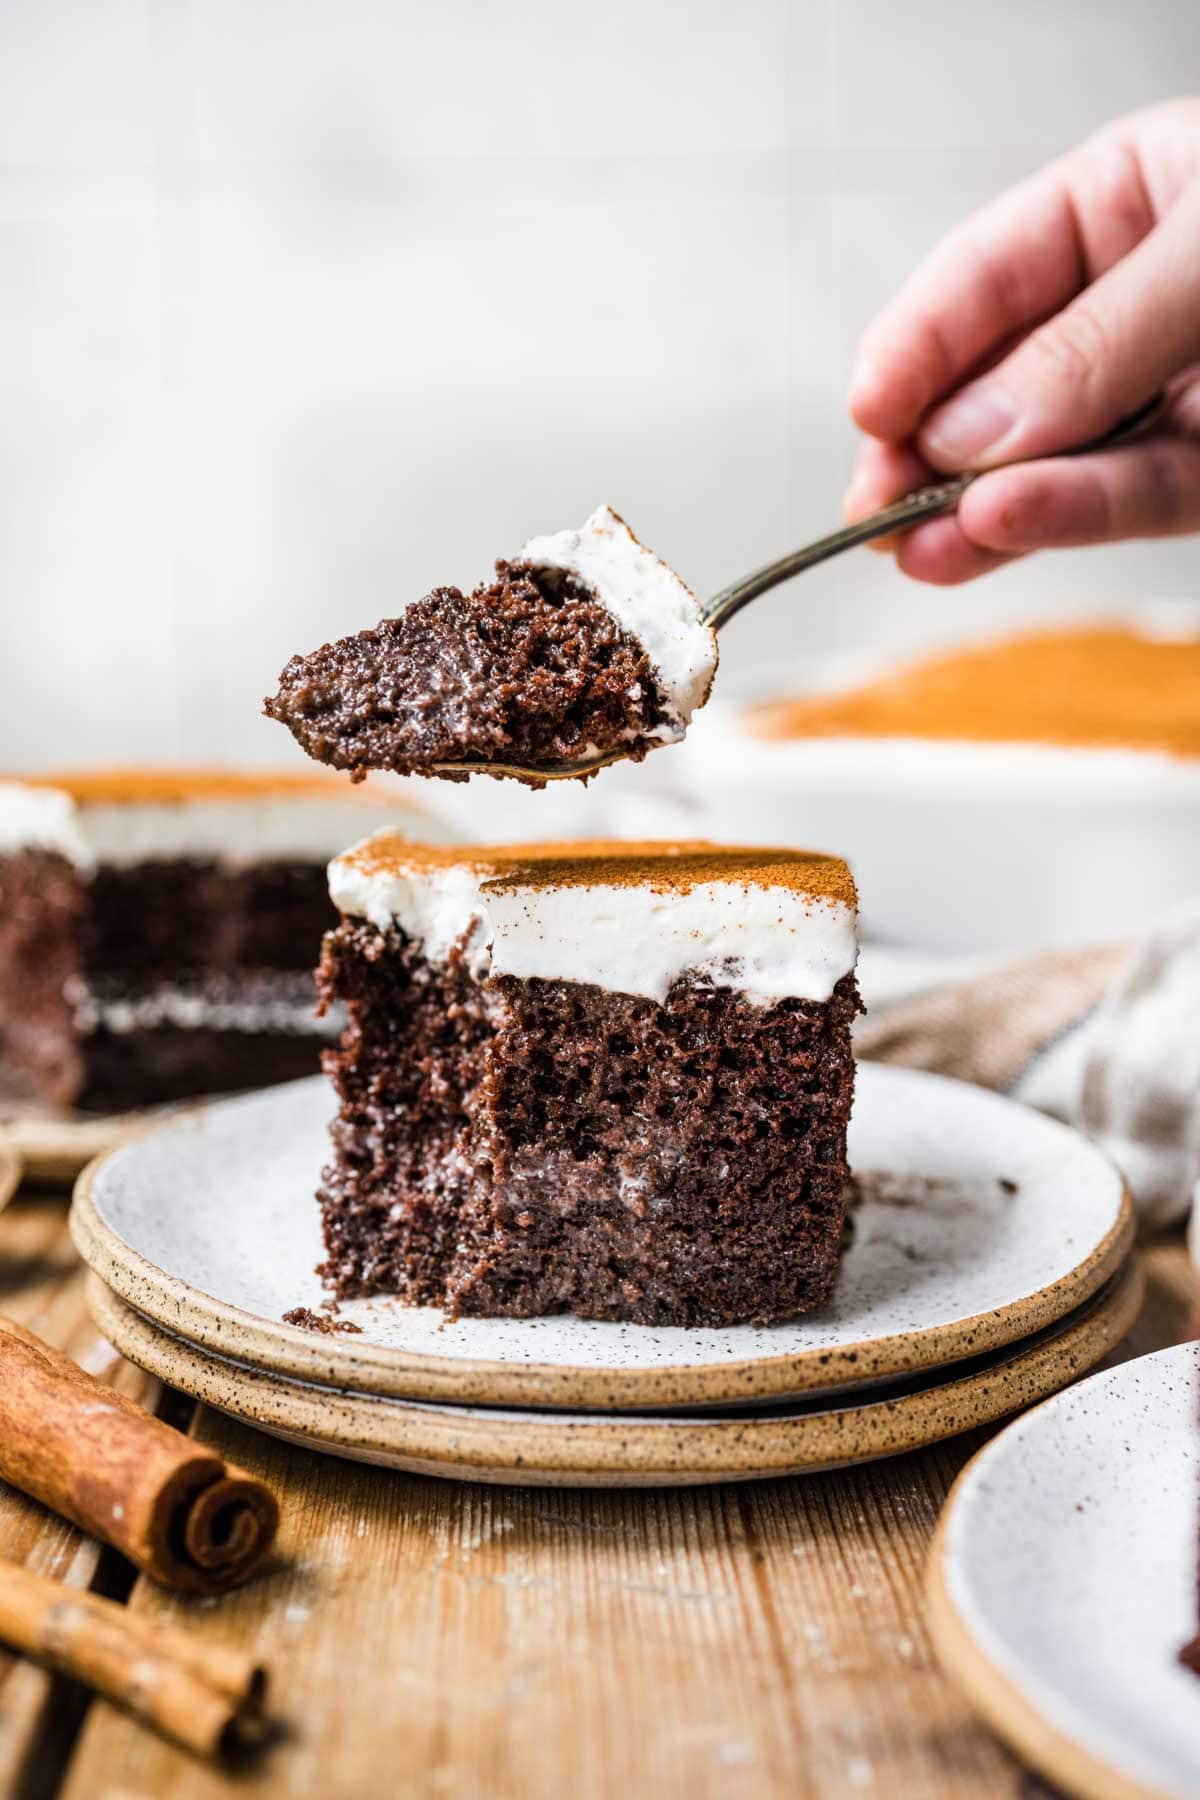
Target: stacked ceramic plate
989	1265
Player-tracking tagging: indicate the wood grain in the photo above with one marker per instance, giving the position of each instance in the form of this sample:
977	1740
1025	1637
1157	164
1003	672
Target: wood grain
432	1638
766	1640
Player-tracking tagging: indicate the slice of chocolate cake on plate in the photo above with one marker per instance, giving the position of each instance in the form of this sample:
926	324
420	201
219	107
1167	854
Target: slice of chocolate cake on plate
158	930
585	646
613	1079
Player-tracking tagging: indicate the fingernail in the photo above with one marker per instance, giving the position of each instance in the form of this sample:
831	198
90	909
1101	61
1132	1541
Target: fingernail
968	426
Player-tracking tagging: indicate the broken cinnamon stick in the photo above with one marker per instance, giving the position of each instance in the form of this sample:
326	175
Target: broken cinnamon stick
208	1698
187	1519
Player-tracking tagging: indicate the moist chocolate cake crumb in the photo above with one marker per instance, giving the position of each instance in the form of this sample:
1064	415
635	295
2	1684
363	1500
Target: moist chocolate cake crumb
530	669
162	1064
517	1148
308	1320
41	918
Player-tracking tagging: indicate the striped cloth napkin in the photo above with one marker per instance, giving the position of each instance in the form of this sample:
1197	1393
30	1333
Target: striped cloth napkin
1107	1039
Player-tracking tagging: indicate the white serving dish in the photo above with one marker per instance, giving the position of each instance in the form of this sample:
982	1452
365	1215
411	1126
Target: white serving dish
972	847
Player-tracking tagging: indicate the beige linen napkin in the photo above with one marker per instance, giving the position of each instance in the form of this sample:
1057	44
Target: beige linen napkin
1107	1039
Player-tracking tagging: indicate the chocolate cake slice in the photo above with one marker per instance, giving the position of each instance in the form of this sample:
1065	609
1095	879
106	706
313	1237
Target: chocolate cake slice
158	930
610	1079
585	646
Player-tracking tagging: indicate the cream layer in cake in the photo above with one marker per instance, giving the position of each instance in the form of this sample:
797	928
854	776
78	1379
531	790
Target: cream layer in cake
647	599
629	918
274	1000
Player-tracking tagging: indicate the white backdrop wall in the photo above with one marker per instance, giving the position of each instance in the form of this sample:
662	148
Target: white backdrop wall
306	305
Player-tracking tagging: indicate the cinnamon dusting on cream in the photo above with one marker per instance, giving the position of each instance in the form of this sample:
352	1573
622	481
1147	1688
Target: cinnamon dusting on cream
1098	687
138	785
665	867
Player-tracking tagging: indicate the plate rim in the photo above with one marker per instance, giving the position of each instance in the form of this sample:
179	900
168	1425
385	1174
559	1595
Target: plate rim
12	1170
995	1695
54	1151
476	1444
216	1325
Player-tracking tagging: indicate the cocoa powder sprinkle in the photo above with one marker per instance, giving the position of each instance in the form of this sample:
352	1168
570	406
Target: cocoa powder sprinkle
665	867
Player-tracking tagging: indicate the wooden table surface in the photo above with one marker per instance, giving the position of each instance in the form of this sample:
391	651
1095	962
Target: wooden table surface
430	1637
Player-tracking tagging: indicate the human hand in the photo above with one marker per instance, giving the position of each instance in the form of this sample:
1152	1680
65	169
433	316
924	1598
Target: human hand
1054	312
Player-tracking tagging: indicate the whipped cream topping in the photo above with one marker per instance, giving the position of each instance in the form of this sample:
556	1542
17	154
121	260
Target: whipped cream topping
767	942
647	599
40	819
239	832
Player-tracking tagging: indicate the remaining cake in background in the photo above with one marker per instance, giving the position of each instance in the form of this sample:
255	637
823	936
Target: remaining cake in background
613	1079
1099	687
158	929
586	646
1031	792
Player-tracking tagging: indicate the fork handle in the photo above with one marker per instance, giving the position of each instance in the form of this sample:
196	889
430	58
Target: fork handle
925	503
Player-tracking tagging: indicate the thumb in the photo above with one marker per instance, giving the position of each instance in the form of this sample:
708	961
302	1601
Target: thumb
1094	362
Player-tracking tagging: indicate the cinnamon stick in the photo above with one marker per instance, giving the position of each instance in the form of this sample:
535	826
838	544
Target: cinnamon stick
208	1698
187	1519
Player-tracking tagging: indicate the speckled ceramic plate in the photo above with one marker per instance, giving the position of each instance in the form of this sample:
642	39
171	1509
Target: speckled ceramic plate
980	1223
1063	1581
10	1175
641	1449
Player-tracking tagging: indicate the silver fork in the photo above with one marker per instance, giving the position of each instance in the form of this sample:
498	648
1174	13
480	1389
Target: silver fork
924	503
